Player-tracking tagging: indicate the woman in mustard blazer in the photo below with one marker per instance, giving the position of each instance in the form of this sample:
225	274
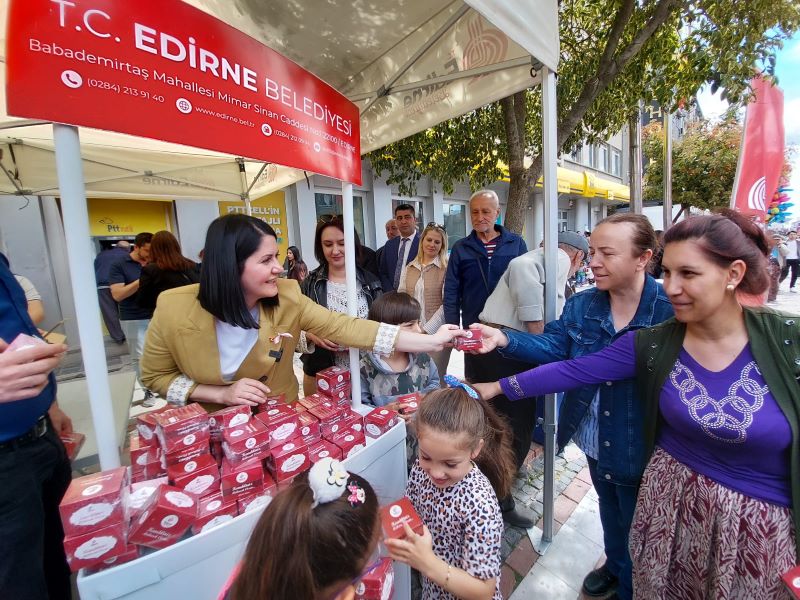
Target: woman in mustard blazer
230	339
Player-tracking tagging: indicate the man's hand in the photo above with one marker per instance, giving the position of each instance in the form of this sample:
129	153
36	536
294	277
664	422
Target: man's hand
415	550
61	422
23	373
492	338
245	391
446	334
488	390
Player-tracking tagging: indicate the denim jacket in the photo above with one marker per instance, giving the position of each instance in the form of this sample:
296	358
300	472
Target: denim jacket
586	326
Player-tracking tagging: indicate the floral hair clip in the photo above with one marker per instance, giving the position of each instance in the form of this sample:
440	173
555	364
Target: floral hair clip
357	494
454	383
327	480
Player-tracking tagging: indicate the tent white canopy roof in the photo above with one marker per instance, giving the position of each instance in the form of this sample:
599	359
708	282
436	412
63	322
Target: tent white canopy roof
407	64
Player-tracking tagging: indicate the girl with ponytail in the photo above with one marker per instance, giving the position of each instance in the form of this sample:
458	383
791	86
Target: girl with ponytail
465	463
313	540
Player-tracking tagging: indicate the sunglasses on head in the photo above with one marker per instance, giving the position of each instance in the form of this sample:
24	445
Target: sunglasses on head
435	226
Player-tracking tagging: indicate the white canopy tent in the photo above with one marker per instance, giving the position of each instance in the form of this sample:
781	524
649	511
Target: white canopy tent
406	64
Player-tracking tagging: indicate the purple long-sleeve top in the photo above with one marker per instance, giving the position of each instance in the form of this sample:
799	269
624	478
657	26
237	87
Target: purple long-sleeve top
723	424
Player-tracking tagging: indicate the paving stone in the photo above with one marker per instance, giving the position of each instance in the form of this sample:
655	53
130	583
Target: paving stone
523	557
563	508
577	489
508	581
583	475
505	550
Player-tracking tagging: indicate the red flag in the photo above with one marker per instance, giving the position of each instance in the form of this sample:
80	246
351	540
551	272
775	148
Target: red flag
761	157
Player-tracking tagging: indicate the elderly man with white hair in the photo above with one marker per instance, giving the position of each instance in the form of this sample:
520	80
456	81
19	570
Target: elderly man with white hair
477	262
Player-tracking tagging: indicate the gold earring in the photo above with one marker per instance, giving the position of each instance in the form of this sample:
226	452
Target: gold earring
730	287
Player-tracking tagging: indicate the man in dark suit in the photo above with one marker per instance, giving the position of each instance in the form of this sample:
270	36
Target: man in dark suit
400	251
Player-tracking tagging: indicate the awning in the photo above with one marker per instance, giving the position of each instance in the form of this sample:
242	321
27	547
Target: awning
407	66
586	184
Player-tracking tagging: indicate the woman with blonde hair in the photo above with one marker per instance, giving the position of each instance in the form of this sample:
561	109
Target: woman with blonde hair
423	280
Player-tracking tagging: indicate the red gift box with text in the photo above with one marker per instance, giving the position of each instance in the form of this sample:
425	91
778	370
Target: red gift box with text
350	441
378	583
140	494
308	428
289	460
95	501
232	416
472	340
241	479
397	514
181	427
146	425
199	476
380	420
214	509
165	518
73	442
93	548
131	553
791	579
409	403
281	422
333	379
245	443
323	449
185	453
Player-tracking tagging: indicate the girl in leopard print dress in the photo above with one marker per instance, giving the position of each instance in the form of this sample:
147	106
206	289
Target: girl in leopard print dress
465	463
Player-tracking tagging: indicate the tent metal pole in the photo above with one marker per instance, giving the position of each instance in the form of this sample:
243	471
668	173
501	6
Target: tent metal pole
351	282
87	307
549	172
248	208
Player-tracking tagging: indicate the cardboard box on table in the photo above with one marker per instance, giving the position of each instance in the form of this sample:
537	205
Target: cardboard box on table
197	567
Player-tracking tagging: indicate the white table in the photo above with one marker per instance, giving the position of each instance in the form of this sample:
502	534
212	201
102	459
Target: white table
198	567
73	399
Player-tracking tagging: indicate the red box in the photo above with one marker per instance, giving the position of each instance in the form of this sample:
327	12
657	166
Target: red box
140	448
270	402
326	411
166	517
185	453
380	420
471	341
246	443
258	499
311	400
73	442
243	479
181	427
378	583
146	425
94	547
140	494
333	379
397	514
409	403
214	510
232	416
353	420
308	428
289	460
199	476
791	579
340	396
323	449
24	341
95	501
281	422
350	441
131	553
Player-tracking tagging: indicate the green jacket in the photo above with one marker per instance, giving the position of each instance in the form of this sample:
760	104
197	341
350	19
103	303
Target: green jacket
775	343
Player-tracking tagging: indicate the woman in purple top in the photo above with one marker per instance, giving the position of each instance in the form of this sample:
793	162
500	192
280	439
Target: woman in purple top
717	511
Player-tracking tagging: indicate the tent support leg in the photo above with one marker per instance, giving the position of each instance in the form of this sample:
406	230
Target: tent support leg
550	152
352	284
87	308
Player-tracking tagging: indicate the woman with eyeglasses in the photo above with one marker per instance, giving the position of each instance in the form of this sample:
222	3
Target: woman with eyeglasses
423	279
326	286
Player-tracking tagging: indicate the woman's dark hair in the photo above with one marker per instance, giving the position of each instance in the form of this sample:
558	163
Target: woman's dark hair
394	308
297	551
724	238
643	238
165	252
296	253
230	241
322	225
453	411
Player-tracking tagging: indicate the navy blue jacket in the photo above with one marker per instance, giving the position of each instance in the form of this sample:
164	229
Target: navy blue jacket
388	260
586	326
471	277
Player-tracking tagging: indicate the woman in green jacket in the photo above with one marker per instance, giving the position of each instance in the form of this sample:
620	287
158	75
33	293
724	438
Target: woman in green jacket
718	511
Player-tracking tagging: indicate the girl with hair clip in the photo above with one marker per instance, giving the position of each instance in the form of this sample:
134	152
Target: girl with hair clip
465	463
718	509
313	541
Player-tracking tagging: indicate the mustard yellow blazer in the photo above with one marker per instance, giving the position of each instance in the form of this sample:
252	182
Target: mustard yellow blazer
182	340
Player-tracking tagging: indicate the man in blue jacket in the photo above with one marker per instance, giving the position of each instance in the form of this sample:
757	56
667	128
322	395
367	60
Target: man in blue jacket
34	465
477	262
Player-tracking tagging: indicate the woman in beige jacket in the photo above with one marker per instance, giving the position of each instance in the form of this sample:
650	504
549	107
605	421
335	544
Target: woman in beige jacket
423	279
230	339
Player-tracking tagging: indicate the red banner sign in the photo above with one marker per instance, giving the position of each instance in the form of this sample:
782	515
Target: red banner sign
165	70
761	159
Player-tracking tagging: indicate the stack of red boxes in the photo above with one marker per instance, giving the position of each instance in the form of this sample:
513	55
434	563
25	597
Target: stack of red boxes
377	583
334	382
94	513
165	518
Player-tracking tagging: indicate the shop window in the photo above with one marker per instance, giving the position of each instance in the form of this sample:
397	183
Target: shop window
602	162
592	152
616	162
576	154
563	220
455	221
419	210
331	204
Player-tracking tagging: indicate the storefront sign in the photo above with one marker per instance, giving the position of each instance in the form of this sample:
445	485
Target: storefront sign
165	70
270	208
108	217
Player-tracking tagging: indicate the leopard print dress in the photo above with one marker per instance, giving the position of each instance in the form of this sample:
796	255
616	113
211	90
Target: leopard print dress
466	525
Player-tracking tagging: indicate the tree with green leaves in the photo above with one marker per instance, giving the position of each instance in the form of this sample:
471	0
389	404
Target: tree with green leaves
613	53
703	163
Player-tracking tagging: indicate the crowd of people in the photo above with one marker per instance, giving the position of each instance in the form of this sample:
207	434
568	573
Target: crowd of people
682	395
